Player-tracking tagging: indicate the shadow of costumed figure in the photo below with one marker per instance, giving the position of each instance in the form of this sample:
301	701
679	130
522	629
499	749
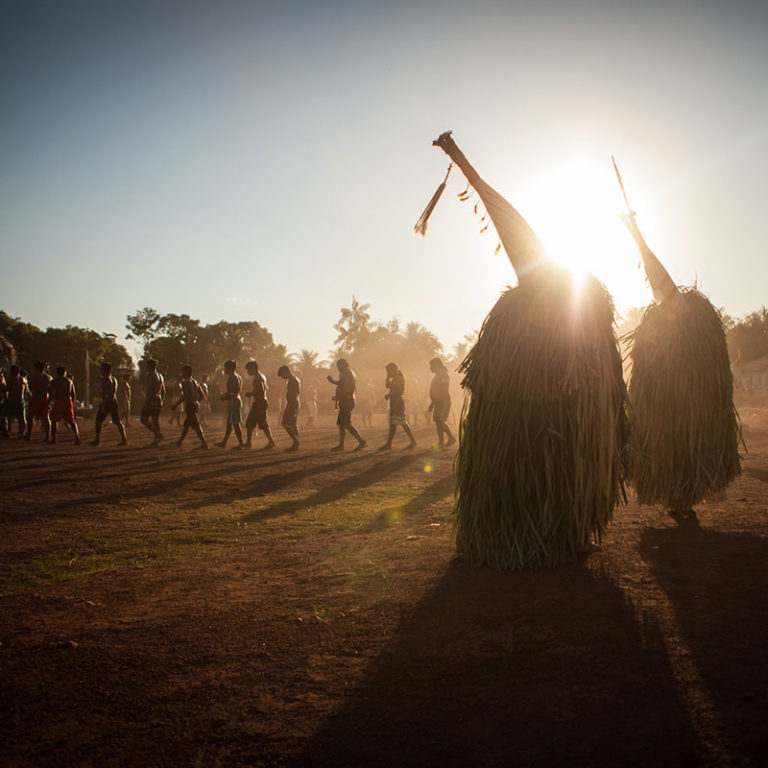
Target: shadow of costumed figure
685	430
540	461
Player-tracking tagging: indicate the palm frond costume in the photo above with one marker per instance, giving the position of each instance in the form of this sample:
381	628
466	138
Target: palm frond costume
540	462
685	430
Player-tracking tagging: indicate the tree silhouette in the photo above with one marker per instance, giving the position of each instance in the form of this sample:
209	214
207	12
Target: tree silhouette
143	326
748	337
354	327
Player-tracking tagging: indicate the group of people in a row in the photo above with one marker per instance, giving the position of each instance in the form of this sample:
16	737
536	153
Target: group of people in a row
51	400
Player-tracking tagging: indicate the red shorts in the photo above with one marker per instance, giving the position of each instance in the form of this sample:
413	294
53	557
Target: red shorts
64	410
38	407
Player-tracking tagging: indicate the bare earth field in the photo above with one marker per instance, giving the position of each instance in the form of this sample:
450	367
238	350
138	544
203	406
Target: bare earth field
172	607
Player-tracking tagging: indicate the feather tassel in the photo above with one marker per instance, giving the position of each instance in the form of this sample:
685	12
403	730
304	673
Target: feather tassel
421	225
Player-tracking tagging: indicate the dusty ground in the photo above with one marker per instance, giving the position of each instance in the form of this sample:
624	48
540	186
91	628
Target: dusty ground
175	607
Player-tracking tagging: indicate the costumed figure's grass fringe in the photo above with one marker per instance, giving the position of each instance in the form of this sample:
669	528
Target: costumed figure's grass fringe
541	457
685	430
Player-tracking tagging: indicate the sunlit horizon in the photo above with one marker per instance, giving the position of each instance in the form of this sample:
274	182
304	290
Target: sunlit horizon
239	162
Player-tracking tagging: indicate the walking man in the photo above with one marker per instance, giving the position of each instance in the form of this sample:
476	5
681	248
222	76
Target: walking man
191	396
39	386
124	399
154	394
440	402
395	383
233	386
345	402
290	417
15	405
257	415
108	405
63	396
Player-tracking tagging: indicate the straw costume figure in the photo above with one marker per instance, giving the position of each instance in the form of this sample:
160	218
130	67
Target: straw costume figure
685	430
540	461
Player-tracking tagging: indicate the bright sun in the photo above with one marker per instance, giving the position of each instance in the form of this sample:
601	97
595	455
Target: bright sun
575	211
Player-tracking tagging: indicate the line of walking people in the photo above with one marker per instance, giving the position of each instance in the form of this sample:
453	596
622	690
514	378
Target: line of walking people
52	400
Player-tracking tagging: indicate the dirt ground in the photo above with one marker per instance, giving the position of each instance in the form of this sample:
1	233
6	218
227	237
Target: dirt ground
175	607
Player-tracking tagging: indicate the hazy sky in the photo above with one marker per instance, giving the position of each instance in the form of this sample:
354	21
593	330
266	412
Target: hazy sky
249	161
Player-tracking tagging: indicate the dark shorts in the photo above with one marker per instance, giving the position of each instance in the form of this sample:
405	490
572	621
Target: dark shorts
234	410
108	408
191	419
290	416
152	407
440	410
38	407
396	411
13	408
344	419
257	417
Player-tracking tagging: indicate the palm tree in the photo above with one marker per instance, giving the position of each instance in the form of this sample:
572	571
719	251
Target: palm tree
419	337
353	327
308	365
461	349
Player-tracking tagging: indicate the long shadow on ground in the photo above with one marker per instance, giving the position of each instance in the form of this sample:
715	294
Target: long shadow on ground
334	491
501	669
718	586
432	494
221	469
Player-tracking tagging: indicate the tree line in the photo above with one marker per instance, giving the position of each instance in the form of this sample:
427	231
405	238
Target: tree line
175	340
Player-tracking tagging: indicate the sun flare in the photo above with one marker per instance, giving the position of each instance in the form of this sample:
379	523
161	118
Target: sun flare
575	211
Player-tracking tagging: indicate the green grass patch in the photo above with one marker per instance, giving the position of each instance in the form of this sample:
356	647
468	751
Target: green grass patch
161	534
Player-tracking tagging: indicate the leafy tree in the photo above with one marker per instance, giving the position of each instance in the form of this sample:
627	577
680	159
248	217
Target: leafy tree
175	340
748	337
143	326
65	346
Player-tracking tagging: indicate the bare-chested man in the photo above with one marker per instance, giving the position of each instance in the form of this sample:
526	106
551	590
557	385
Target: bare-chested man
154	394
15	405
108	405
3	396
39	393
345	401
233	386
124	399
205	405
64	397
257	415
290	418
191	396
440	402
178	411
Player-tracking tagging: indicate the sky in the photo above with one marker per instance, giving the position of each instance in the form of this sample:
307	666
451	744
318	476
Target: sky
266	161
